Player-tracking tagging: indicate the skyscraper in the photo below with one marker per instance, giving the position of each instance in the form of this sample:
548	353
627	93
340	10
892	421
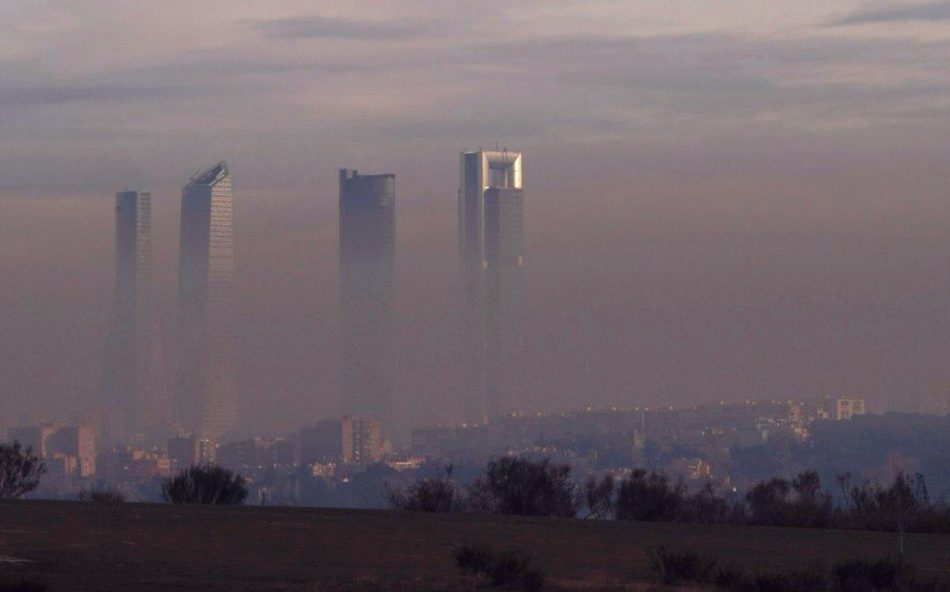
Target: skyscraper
124	405
492	251
367	252
207	401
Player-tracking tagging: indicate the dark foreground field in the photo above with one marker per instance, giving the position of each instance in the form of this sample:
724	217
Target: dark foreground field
76	546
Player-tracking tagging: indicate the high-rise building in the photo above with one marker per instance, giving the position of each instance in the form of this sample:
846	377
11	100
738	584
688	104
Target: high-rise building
367	252
492	251
74	442
848	407
350	439
128	402
207	398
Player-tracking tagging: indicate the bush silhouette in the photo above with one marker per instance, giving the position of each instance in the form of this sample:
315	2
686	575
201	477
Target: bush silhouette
506	570
205	485
104	495
474	559
649	497
20	471
429	495
521	487
672	567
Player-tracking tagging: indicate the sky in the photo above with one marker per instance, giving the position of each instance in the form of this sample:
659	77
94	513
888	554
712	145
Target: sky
724	199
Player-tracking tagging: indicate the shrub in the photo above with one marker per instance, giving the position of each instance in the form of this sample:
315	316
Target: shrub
706	507
599	496
862	574
532	581
768	502
102	496
521	487
474	559
811	506
508	570
649	497
903	506
672	567
205	485
809	580
20	471
925	584
428	495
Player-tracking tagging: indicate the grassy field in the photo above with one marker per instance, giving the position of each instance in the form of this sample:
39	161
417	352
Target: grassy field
75	546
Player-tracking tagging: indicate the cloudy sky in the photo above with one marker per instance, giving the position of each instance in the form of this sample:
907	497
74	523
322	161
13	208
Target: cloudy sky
727	199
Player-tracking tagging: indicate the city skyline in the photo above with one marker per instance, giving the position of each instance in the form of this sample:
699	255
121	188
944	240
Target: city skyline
725	200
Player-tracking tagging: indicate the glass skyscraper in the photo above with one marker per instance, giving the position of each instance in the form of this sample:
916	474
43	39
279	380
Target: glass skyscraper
491	237
207	397
367	253
125	406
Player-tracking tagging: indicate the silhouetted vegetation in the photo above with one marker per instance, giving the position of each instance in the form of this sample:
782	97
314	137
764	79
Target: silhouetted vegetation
672	567
515	486
205	485
439	494
862	574
103	495
599	496
20	471
770	504
522	487
507	570
651	497
474	559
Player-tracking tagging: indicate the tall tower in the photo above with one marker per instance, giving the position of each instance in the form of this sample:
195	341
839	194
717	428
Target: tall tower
491	206
367	253
124	405
207	402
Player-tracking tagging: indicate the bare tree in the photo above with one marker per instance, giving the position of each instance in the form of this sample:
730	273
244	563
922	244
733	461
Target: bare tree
20	471
599	496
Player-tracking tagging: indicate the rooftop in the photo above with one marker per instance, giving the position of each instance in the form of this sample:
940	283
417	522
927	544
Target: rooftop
210	176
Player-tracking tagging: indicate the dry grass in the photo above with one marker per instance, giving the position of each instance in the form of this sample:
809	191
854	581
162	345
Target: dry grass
79	547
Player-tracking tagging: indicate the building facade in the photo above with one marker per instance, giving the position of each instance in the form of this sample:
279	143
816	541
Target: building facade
124	412
367	254
207	391
349	439
72	446
491	247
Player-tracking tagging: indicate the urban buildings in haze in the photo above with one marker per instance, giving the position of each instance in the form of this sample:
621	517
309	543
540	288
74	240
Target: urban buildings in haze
491	247
367	252
207	395
131	397
348	439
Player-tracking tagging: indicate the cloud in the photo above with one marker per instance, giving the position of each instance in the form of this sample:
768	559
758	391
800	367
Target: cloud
933	11
316	27
39	96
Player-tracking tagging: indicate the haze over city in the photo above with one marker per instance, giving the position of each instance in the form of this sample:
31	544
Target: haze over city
722	201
